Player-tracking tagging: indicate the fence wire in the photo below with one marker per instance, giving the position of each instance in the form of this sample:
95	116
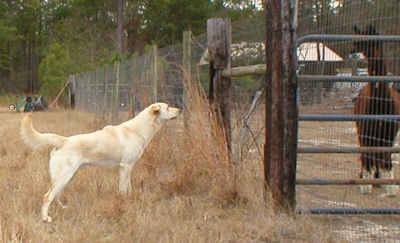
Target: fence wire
334	58
95	89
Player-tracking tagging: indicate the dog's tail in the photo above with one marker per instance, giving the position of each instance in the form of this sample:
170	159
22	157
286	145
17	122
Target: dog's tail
35	139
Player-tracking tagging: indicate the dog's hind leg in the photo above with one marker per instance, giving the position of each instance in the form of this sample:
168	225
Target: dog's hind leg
58	199
125	178
55	190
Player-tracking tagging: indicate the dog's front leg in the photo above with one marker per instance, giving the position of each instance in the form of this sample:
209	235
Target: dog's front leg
125	178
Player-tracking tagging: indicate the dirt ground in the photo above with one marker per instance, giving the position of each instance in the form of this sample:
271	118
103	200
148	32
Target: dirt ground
356	228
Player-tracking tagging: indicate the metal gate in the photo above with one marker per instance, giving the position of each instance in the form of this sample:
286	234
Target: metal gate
346	118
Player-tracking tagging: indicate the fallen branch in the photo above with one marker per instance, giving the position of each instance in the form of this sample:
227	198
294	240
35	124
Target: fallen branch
59	94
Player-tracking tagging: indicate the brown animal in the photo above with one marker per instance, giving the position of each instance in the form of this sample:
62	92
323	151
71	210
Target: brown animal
376	98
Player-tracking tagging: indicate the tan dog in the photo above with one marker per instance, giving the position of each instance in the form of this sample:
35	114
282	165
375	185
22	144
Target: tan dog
113	146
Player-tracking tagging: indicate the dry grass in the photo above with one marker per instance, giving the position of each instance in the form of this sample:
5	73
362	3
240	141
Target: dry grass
184	190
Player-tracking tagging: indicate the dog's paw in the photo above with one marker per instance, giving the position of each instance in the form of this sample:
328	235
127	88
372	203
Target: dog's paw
47	219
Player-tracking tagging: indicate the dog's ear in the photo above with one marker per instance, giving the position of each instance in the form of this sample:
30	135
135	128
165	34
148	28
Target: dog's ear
155	109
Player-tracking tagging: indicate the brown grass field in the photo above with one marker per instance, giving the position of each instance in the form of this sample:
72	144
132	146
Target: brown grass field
184	190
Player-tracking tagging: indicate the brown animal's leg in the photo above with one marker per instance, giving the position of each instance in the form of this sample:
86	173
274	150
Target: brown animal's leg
386	172
378	158
367	171
363	131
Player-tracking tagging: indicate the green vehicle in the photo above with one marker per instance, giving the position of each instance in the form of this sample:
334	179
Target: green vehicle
28	104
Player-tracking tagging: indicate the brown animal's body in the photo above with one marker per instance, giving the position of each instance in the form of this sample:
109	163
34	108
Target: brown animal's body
377	98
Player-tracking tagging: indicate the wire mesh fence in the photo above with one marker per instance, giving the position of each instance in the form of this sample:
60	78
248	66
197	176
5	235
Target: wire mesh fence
336	58
141	79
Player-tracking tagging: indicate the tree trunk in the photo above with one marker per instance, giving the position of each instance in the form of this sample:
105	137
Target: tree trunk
119	26
35	66
25	48
10	77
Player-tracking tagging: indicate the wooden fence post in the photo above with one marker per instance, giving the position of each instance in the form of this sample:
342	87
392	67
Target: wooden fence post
187	65
281	110
71	91
96	98
187	54
133	85
83	89
104	89
154	80
117	66
219	47
78	92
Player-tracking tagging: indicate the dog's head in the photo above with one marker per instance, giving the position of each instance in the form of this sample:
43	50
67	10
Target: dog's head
164	111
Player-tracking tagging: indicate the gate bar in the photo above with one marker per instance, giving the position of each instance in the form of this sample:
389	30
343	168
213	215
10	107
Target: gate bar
261	68
348	181
342	118
359	79
348	210
345	150
322	38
